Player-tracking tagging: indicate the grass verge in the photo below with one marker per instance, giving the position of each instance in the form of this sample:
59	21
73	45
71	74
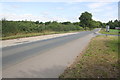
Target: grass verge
112	31
34	34
99	60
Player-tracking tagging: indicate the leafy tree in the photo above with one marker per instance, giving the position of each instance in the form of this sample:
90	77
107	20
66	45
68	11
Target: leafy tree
46	23
114	24
41	23
103	25
119	23
19	27
66	23
85	19
76	23
37	22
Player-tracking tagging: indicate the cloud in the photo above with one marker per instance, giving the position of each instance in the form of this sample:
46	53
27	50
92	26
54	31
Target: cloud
95	18
60	8
45	13
31	17
96	0
111	16
59	19
0	7
100	11
69	1
103	11
105	17
97	5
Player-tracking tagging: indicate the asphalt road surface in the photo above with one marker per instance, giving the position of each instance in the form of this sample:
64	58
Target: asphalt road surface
43	59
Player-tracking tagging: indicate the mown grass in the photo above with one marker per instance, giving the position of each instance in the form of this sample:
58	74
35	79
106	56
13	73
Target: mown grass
99	60
23	35
112	31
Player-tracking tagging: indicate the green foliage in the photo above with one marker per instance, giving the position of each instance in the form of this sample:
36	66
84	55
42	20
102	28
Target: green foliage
37	22
95	24
46	23
66	23
10	28
114	24
87	21
76	23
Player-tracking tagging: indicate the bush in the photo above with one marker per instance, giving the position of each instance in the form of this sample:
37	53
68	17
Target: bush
17	27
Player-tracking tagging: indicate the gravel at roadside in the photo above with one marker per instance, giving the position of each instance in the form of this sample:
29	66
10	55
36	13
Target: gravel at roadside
18	41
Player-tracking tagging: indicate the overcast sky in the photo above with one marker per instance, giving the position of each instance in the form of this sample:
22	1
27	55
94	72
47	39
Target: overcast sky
58	11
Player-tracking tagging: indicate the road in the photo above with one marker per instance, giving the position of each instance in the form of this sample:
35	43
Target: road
43	59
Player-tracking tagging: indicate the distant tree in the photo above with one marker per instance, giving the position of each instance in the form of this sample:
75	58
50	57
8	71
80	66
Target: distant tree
76	23
46	23
103	25
4	19
111	24
40	22
37	22
66	23
55	22
116	23
119	23
85	19
94	24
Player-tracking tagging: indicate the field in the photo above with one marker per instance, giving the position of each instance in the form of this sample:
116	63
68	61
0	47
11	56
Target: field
112	31
98	60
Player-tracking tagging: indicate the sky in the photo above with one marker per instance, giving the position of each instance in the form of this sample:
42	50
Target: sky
58	11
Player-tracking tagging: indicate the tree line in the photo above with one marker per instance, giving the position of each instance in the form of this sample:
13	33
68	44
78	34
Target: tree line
113	24
87	21
23	27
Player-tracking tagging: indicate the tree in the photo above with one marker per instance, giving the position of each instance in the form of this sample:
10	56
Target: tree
113	24
103	25
116	23
119	23
46	23
37	22
66	23
40	22
77	23
94	24
85	19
